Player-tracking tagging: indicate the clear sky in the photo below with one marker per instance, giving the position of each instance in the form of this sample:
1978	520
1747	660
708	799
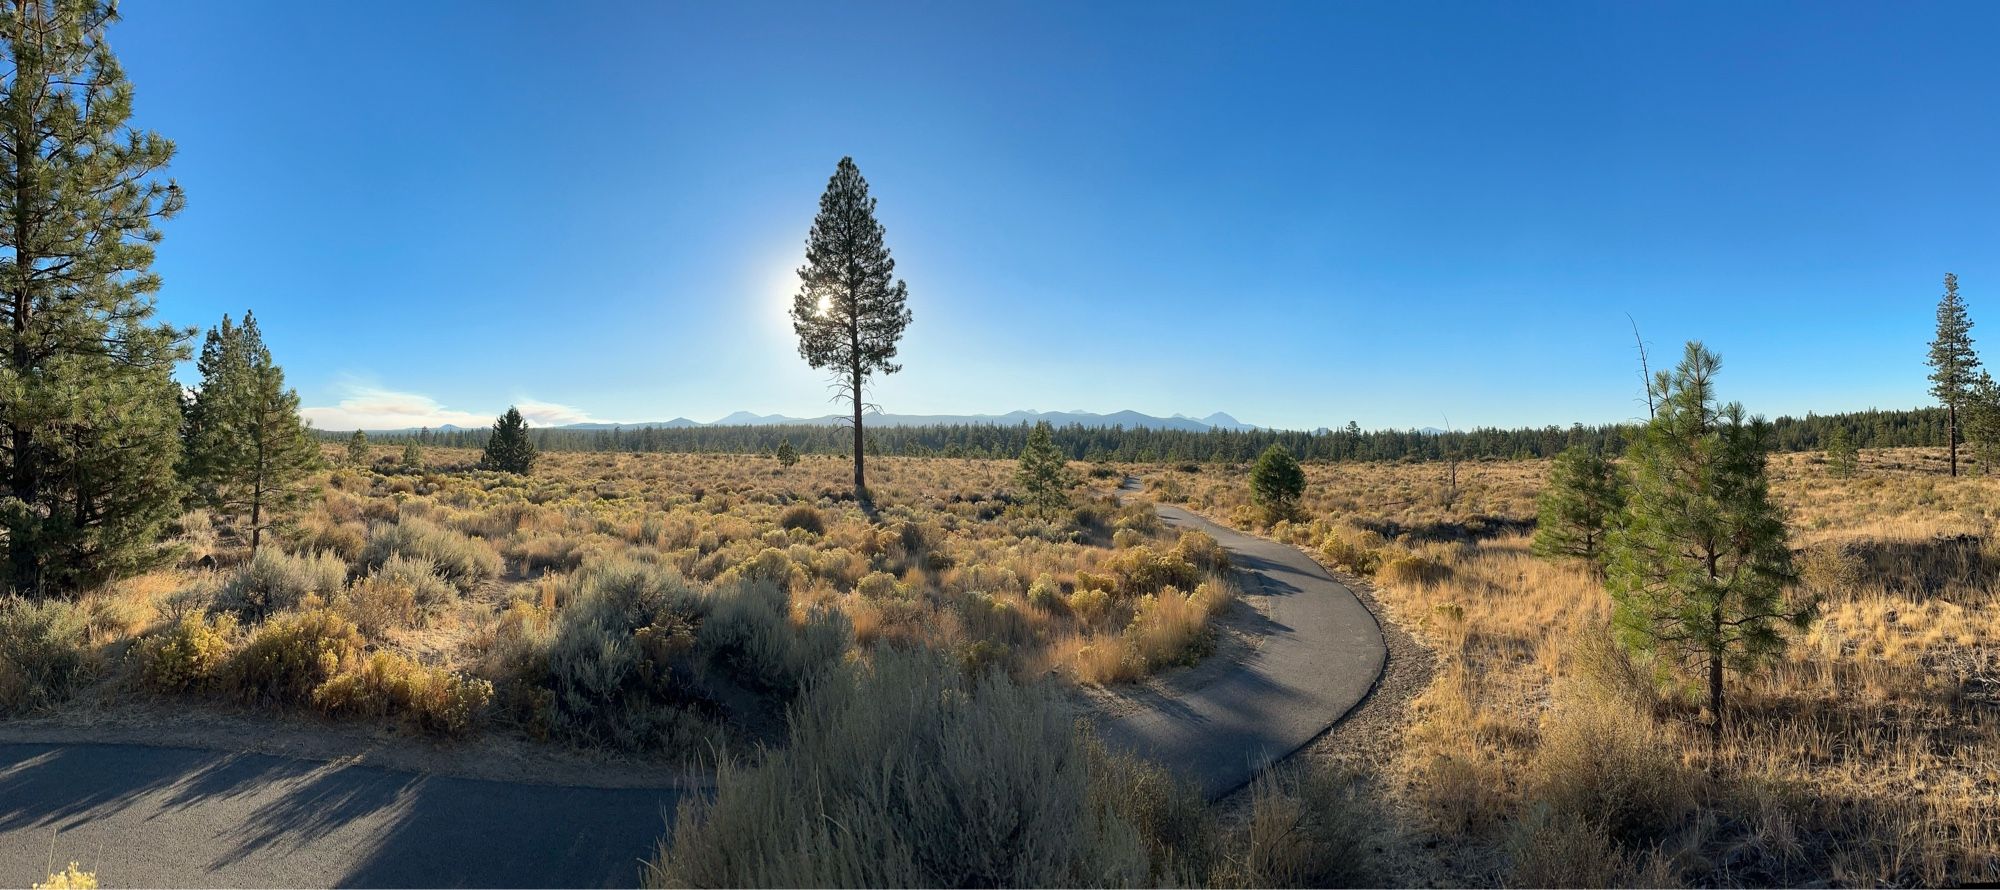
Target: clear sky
1300	213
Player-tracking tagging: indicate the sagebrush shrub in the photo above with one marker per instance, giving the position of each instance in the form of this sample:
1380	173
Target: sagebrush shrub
44	653
903	773
465	562
749	633
804	517
273	581
609	683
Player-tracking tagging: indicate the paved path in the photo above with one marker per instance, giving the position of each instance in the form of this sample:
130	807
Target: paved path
174	817
1319	654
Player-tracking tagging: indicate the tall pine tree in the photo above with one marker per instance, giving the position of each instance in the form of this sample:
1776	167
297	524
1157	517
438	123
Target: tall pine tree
507	448
249	456
89	417
1954	365
850	309
357	449
1699	565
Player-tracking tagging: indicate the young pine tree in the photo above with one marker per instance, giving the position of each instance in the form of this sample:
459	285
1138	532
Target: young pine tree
1699	565
1044	474
787	455
1982	422
1277	483
249	456
1583	500
357	449
1954	364
850	309
1841	457
508	449
413	457
89	410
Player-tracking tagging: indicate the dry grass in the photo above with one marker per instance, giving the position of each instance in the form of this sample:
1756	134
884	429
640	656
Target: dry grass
453	577
1864	757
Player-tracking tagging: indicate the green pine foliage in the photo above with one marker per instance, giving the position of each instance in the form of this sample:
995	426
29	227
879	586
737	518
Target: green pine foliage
1842	459
1699	565
89	411
1044	474
248	455
786	454
1277	483
357	449
507	447
1982	422
413	457
1954	364
850	309
1583	500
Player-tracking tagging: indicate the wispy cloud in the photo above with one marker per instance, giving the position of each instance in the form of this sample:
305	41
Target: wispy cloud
375	408
369	407
540	413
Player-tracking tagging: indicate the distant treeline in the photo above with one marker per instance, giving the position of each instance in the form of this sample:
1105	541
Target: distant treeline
1867	429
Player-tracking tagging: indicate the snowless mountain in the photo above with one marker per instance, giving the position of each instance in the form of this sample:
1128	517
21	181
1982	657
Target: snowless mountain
1128	419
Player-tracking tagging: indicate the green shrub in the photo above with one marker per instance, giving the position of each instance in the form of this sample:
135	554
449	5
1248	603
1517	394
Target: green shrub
290	656
463	561
906	774
1200	549
881	585
802	516
1046	595
190	655
1141	570
274	581
44	653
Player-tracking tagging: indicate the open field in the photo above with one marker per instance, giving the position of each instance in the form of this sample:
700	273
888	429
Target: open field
1540	754
656	603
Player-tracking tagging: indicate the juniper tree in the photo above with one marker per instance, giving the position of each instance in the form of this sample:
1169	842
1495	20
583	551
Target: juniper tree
507	448
1582	501
850	308
1277	483
249	456
89	411
1954	364
787	455
357	449
1699	565
1841	456
1044	474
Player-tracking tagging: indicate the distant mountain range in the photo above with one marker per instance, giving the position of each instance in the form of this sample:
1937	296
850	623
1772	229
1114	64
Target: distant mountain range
1127	419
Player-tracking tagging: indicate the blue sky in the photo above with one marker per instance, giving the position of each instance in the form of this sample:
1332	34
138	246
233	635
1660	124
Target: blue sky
1301	213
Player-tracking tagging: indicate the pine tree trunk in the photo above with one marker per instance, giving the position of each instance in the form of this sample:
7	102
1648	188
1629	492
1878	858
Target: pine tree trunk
860	479
1715	671
1951	436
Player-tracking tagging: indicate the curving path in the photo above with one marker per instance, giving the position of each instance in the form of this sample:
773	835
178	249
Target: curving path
143	816
1320	651
176	817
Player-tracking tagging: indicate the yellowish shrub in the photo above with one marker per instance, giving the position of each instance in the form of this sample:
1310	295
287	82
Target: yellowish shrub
189	655
291	655
435	700
71	878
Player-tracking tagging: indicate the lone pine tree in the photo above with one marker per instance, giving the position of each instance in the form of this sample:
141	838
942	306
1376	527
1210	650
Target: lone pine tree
413	457
357	449
248	455
89	410
1044	474
1954	365
1277	483
507	448
1841	457
787	455
1699	565
850	308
